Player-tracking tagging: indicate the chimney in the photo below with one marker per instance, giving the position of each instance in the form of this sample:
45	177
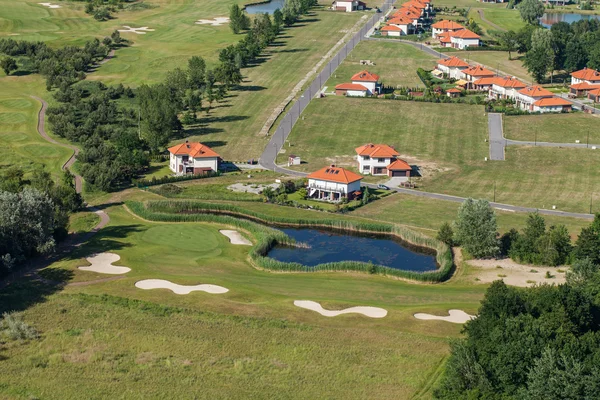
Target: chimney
332	166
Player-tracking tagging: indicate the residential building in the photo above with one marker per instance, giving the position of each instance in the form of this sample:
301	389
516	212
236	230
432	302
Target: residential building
452	66
347	5
474	73
581	88
374	158
399	168
594	95
351	90
506	88
464	38
193	158
444	26
333	184
527	97
483	84
405	25
552	104
454	92
588	75
445	40
368	80
394	30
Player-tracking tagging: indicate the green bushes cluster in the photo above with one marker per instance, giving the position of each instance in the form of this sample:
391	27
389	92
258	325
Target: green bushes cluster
140	183
267	238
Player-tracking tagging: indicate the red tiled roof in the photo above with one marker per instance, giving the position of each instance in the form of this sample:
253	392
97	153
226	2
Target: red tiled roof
595	92
552	101
403	12
365	76
351	86
376	150
485	81
444	37
447	25
400	20
335	174
536	91
453	62
478	70
509	82
195	150
583	86
587	74
399	165
454	90
391	28
465	34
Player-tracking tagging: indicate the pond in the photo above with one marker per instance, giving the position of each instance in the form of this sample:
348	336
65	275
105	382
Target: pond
268	8
329	246
549	19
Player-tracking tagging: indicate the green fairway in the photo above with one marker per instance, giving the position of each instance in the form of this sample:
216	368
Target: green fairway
395	63
557	128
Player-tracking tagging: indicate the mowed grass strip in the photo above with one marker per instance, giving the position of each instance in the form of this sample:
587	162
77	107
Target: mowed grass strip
498	62
556	128
395	63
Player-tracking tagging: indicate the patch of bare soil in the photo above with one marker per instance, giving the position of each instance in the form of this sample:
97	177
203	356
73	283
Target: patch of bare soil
487	271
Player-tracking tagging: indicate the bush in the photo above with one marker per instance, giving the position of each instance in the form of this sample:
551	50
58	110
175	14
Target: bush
140	183
15	328
168	190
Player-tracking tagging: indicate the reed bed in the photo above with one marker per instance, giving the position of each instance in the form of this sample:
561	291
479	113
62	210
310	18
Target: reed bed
267	238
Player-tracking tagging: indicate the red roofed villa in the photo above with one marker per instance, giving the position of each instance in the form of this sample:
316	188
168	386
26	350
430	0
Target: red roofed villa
376	159
363	84
333	184
193	158
527	97
452	66
552	104
444	26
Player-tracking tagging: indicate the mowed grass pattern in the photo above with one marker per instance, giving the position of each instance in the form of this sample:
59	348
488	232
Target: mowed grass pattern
557	128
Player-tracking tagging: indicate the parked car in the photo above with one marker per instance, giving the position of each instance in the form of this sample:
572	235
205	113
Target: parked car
380	186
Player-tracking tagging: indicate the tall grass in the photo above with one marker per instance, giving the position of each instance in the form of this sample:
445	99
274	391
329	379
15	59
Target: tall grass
267	238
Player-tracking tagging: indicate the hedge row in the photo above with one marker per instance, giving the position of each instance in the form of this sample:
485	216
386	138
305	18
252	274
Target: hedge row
170	179
267	238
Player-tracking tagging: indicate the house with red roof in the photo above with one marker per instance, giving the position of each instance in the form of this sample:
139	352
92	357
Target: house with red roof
348	5
552	104
526	98
333	184
464	38
444	26
363	84
483	84
381	159
474	73
506	88
587	75
398	26
594	95
452	66
193	158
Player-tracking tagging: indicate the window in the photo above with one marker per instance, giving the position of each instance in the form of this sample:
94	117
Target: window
365	167
185	158
381	160
365	158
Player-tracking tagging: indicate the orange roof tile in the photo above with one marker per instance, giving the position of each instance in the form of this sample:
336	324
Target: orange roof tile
444	37
465	34
365	76
195	150
351	86
485	81
509	82
335	174
583	86
595	92
376	150
447	25
400	20
391	28
478	70
587	74
399	165
453	90
536	91
552	101
407	13
453	62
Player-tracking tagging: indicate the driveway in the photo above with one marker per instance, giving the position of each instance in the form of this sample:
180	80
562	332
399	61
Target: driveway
497	141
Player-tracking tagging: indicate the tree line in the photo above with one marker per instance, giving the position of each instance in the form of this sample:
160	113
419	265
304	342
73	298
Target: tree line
291	12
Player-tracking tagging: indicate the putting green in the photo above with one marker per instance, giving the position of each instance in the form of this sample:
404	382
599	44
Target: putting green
196	238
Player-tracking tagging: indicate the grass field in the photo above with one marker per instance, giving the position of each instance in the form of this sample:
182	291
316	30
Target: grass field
447	142
497	61
560	128
395	63
251	338
502	17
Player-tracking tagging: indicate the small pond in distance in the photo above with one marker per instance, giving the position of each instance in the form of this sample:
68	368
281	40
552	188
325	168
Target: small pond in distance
549	19
268	8
329	246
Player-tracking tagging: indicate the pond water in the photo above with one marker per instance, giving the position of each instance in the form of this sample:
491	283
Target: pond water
268	8
549	19
328	246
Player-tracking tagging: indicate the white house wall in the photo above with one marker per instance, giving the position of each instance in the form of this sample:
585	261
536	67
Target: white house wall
334	186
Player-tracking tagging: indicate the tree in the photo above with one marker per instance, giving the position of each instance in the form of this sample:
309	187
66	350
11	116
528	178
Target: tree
196	71
575	55
540	58
588	242
238	21
476	228
445	234
277	20
509	40
116	37
8	65
159	115
531	11
594	57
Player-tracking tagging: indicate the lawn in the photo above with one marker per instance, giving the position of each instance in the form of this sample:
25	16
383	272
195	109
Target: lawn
558	128
447	142
252	337
395	63
82	221
497	61
502	17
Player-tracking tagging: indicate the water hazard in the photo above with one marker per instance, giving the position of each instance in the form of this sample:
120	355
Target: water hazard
268	8
549	19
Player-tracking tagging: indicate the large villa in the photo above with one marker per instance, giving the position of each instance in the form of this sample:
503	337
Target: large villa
334	184
193	158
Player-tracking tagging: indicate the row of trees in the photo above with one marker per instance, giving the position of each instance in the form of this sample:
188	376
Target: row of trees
34	214
476	230
291	12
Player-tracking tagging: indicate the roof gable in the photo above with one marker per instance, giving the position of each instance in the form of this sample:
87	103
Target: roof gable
552	101
399	165
447	25
351	86
376	150
453	62
194	149
587	74
365	76
478	70
536	91
335	174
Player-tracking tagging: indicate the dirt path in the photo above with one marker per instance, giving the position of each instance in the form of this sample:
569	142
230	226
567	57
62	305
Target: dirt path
493	25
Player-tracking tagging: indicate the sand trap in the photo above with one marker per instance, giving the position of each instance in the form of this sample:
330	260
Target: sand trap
373	312
139	31
179	289
455	316
235	237
218	21
49	5
515	274
102	263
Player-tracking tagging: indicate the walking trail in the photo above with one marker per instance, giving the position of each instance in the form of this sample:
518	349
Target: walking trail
493	25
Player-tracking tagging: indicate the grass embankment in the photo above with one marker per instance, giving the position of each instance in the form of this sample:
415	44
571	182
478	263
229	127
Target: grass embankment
83	221
447	142
395	63
187	211
559	128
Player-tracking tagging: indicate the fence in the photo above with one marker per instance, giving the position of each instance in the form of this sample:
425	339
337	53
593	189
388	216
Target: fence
277	141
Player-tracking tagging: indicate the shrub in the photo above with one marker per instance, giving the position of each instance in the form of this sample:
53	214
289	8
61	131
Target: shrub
15	328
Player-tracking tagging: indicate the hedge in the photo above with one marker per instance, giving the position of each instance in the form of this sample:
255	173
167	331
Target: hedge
267	238
170	179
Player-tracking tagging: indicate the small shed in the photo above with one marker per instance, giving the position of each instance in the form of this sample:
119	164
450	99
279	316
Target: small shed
294	160
454	92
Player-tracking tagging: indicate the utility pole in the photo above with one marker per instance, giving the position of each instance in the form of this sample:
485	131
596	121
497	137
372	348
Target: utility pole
139	123
587	142
535	138
591	200
494	191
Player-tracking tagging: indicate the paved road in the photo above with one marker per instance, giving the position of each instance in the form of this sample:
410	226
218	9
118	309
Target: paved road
497	141
510	142
580	104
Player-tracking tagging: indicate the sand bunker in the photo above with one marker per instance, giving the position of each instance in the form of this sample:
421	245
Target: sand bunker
139	31
49	5
455	316
102	263
235	237
373	312
218	21
179	289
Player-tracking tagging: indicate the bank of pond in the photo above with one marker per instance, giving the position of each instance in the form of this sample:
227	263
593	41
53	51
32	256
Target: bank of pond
298	245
